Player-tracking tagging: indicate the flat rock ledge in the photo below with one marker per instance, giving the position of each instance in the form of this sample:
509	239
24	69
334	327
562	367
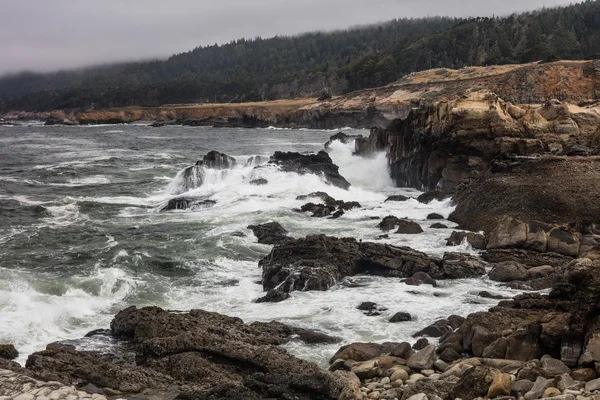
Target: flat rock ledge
15	386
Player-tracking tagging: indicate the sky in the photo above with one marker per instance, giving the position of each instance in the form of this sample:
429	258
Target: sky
47	35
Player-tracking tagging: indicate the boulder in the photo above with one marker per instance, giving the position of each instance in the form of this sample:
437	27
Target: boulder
318	164
520	387
500	386
474	382
420	278
476	240
389	223
508	271
539	387
432	195
403	350
270	233
460	266
397	198
540	272
437	329
510	232
358	352
401	317
8	352
456	238
259	182
409	227
422	359
437	225
583	374
273	296
562	241
553	366
435	216
217	160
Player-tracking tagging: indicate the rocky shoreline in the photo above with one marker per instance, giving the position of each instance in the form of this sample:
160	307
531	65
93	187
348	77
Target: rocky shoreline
525	184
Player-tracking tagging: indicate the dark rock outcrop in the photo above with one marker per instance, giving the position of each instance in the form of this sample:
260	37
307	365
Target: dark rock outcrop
182	203
318	164
317	262
342	137
8	352
270	233
195	355
217	160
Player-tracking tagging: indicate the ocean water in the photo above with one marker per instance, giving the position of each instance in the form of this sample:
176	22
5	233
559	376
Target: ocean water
81	236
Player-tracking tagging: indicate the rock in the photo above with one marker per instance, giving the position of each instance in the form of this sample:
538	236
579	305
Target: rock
259	182
420	344
450	355
476	240
435	216
401	317
318	164
420	396
198	354
422	359
455	321
475	382
540	272
273	296
456	238
553	366
439	226
510	232
270	233
317	262
318	210
432	195
8	352
399	374
327	199
583	374
520	387
564	382
437	329
408	227
388	223
358	352
500	386
371	309
420	278
398	198
403	350
181	203
508	271
460	266
551	392
341	137
256	161
591	353
365	369
592	385
539	387
561	241
488	295
217	160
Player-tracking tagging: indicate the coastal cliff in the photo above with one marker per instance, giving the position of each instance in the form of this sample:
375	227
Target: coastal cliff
535	83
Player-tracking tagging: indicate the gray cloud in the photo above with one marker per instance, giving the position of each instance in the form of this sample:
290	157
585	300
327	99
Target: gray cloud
43	35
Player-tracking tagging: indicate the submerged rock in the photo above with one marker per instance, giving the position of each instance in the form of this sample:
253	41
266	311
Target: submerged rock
182	203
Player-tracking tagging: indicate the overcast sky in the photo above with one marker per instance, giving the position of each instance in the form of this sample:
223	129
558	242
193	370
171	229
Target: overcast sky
45	35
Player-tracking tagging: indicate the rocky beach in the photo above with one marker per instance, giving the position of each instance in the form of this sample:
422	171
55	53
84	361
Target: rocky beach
512	191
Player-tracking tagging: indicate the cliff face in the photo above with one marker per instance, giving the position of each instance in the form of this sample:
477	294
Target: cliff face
497	158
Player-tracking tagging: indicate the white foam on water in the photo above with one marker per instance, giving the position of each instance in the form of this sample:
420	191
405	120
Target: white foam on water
90	180
34	314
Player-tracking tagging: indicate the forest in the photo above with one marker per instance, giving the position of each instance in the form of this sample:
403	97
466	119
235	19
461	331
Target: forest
316	64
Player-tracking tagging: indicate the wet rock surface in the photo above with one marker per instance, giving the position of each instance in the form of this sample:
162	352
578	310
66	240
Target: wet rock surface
193	355
318	164
270	233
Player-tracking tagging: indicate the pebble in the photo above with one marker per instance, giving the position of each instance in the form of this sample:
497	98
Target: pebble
14	386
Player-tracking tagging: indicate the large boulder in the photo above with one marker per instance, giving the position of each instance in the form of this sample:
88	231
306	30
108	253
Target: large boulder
198	355
183	203
508	271
317	262
318	164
